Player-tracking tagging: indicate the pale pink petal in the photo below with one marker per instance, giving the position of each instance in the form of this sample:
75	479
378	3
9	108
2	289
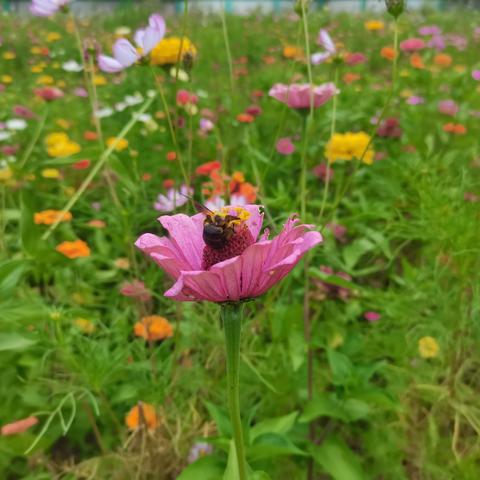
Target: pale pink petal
157	22
326	41
109	64
150	39
318	58
124	52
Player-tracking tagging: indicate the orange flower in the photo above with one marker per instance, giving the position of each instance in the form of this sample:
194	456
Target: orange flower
48	217
208	167
455	128
142	414
416	61
388	53
76	249
248	191
90	136
171	156
96	223
292	52
153	328
245	118
351	77
269	60
443	60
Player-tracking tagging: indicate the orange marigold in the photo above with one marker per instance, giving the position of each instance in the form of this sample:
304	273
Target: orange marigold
443	60
416	61
48	217
75	249
142	414
153	328
245	118
388	53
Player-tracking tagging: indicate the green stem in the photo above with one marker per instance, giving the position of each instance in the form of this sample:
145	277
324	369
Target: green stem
227	47
232	314
36	136
303	175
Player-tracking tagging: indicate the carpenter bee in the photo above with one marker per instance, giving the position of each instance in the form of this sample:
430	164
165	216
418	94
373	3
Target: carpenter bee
217	229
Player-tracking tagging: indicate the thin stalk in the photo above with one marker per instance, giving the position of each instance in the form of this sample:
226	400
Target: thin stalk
184	30
227	47
101	161
34	140
232	315
332	131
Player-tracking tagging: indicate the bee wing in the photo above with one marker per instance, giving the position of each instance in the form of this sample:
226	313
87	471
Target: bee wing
199	207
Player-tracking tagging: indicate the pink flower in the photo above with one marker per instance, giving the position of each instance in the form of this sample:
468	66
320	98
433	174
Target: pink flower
390	127
298	95
427	30
19	426
184	97
372	316
412	45
325	41
355	58
323	172
22	111
206	125
448	107
125	54
45	8
137	290
339	231
285	146
240	267
48	93
476	75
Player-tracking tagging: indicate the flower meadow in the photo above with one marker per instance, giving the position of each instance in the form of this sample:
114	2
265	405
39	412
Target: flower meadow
239	247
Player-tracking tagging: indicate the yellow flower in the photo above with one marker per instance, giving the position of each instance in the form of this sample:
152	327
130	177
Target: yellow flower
6	79
62	123
5	174
9	55
374	25
50	173
349	146
167	51
61	84
36	69
35	50
56	137
86	326
292	52
53	37
99	80
122	144
428	347
60	145
45	80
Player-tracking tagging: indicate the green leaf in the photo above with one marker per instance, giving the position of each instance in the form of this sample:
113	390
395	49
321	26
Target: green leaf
334	280
231	472
342	368
296	344
355	251
206	468
328	405
221	419
14	341
338	460
11	272
273	425
271	445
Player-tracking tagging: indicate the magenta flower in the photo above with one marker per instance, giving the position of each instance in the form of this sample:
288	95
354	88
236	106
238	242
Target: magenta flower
125	54
48	93
230	267
476	75
448	107
22	111
325	41
46	8
412	45
355	58
285	146
298	95
372	316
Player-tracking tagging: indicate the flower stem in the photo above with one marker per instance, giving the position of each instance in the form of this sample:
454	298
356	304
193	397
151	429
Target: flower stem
232	315
227	48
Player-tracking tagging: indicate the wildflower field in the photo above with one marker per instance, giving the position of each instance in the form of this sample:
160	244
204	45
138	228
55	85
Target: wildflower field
239	247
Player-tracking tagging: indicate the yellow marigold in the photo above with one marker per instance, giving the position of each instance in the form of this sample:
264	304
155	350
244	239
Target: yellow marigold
60	145
85	325
75	249
122	144
45	80
153	328
36	69
292	52
48	217
9	55
428	347
374	25
167	51
99	80
5	174
142	414
6	79
50	173
349	146
53	37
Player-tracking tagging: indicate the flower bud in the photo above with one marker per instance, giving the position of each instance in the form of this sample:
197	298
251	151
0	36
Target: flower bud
395	7
300	6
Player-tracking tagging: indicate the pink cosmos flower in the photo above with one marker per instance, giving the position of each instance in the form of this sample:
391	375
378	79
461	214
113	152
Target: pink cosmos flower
285	146
48	93
448	107
325	41
45	8
125	54
372	316
297	95
243	266
476	75
412	45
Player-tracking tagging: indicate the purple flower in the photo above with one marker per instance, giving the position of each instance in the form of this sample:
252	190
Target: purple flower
173	199
125	54
45	8
206	125
415	100
429	30
437	42
198	450
325	41
297	95
448	107
285	146
80	92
